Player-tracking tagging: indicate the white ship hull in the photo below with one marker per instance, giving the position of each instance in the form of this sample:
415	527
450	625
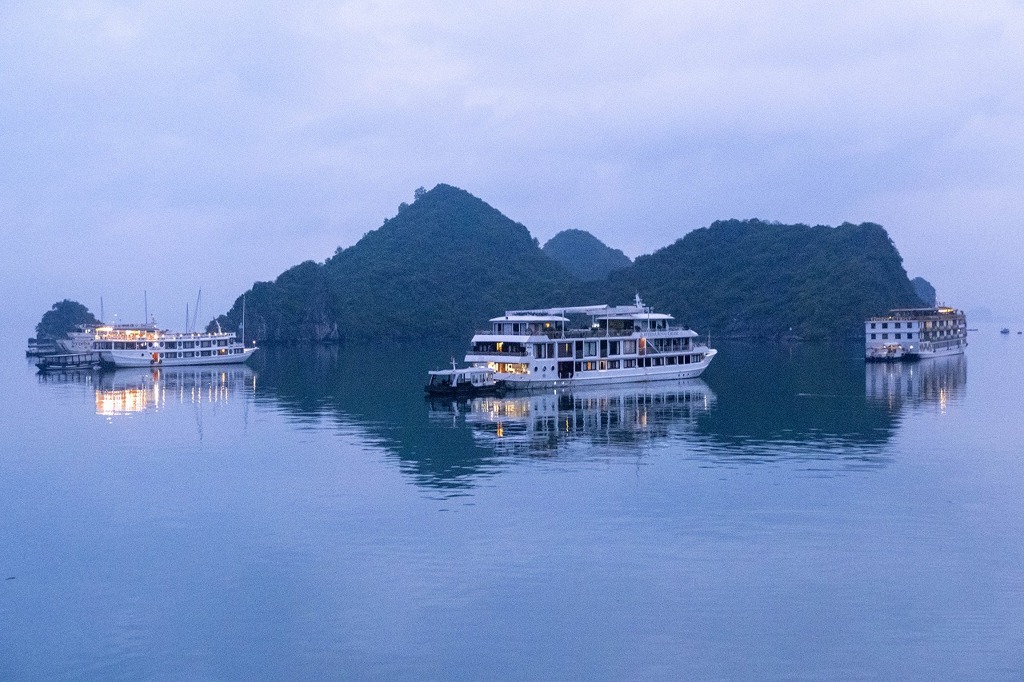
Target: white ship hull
137	358
633	375
939	352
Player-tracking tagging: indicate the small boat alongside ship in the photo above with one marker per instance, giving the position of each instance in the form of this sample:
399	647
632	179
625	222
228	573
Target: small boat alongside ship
587	345
463	382
914	334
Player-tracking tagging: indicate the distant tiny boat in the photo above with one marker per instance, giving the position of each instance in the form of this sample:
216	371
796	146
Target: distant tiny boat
465	381
1004	330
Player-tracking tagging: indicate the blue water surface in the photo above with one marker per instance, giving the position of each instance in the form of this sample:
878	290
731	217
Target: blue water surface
794	514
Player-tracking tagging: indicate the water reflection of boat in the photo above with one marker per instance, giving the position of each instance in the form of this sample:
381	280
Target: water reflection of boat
932	380
541	422
135	390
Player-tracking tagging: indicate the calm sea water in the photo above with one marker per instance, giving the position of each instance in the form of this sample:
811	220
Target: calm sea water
793	515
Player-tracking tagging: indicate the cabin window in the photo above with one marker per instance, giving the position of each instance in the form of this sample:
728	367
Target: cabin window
885	325
629	347
671	360
589	366
910	335
565	350
629	364
658	362
118	345
222	342
873	335
613	348
686	359
872	325
885	336
188	354
205	353
897	325
897	336
188	344
579	366
590	349
613	364
204	344
579	349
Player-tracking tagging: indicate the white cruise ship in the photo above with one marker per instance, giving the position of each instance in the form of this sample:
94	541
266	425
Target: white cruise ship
538	349
148	346
914	333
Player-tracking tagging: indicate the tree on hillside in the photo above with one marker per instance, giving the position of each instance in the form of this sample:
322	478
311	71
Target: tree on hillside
62	318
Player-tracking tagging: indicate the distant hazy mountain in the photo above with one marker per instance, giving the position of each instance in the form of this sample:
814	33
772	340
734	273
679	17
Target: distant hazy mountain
924	290
584	255
448	262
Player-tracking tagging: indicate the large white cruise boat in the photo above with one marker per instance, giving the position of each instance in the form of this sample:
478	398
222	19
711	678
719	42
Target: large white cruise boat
538	349
915	333
148	346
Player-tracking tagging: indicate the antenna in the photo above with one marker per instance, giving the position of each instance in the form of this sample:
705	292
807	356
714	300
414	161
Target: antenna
195	314
243	320
186	317
102	316
145	308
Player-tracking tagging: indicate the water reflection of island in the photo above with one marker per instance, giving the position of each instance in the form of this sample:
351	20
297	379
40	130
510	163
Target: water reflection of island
125	391
541	423
934	381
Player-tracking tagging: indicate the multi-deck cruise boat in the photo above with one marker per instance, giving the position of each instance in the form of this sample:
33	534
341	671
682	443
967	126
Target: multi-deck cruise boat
538	348
149	346
914	333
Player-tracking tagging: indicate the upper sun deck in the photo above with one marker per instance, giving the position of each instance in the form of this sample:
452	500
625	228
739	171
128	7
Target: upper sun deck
930	313
605	320
152	333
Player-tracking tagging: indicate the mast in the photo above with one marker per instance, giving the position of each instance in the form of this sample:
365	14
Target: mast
195	314
186	317
145	308
243	320
102	316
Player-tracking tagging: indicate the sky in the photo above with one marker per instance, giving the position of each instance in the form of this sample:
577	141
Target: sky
153	149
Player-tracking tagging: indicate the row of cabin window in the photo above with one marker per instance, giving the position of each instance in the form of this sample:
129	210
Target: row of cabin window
202	353
910	336
928	324
923	335
885	325
605	348
146	345
631	363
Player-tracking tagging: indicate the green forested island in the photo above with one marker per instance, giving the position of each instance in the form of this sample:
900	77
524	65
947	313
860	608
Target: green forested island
447	262
584	255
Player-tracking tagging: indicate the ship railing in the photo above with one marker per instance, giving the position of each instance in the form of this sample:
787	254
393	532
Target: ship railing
589	333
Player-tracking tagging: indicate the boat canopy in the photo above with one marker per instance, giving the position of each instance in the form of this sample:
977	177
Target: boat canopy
522	317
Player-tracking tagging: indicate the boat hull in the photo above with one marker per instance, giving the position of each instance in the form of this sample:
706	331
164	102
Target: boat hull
633	375
136	358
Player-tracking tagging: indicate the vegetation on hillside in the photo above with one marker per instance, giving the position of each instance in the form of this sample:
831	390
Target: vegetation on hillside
441	267
62	318
448	262
584	255
754	278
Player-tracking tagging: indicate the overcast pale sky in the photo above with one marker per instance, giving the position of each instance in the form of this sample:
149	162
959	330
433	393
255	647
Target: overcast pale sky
168	146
